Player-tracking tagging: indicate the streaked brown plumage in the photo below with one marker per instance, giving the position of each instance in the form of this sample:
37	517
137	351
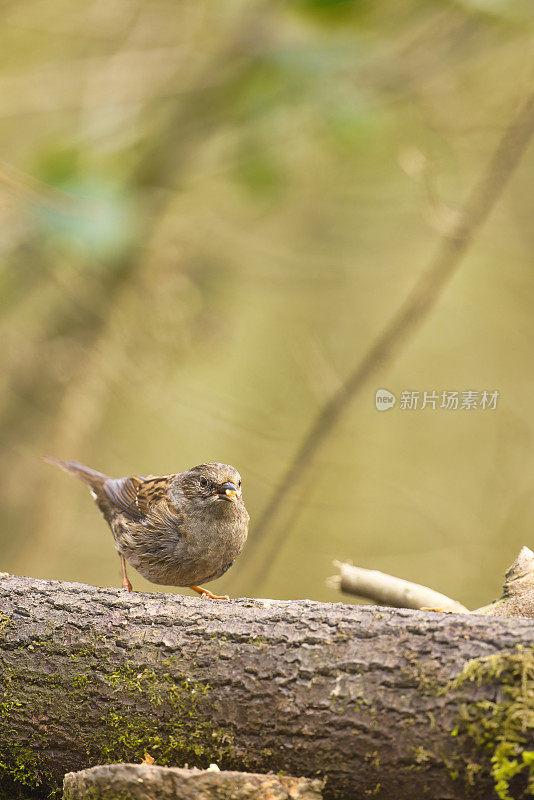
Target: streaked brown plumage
179	530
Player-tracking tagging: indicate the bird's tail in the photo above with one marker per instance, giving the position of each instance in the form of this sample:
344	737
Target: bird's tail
86	474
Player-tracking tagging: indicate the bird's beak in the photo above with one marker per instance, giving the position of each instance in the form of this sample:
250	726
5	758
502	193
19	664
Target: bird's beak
228	491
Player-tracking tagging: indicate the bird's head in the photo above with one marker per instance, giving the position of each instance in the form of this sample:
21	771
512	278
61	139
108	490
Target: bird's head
218	485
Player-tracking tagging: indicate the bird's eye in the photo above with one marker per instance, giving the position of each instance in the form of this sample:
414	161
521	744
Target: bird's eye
239	484
203	481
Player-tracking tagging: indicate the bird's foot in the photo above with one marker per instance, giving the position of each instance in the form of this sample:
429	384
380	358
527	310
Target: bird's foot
125	582
207	594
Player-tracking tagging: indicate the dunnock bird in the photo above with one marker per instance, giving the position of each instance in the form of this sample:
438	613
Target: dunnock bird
180	530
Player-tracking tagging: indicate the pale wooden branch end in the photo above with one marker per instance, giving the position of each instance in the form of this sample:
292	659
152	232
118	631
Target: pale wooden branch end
517	599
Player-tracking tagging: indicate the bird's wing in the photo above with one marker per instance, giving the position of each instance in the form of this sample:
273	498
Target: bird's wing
164	517
137	495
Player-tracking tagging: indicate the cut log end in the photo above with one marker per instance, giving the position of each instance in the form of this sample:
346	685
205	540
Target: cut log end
141	782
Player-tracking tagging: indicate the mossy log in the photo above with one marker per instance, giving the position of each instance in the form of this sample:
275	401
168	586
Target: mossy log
135	782
379	702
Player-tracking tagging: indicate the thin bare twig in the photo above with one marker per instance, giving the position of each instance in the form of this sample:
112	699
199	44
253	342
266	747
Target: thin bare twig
417	306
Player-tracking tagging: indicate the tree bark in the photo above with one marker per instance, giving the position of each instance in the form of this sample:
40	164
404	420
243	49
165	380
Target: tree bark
378	701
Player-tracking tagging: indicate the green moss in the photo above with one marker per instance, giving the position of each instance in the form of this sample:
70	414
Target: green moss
25	766
503	727
169	718
22	765
24	775
182	733
260	642
5	622
421	755
79	682
182	695
128	737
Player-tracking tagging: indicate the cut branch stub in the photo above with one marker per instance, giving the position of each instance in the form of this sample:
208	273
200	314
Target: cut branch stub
517	599
388	590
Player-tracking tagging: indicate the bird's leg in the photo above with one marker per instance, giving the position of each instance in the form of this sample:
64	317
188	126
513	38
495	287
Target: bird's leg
125	582
206	593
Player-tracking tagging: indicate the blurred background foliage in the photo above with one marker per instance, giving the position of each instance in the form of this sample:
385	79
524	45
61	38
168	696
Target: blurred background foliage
208	210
